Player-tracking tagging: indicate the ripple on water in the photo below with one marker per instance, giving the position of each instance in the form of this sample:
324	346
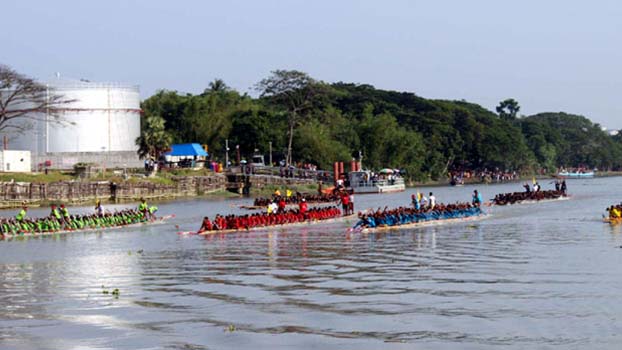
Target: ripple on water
537	276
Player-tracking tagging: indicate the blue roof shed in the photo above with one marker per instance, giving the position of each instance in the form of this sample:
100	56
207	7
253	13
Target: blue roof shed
186	149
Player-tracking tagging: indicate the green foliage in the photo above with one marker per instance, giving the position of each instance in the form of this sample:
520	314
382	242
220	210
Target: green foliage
254	129
154	139
324	123
170	106
570	140
315	144
204	118
293	92
508	109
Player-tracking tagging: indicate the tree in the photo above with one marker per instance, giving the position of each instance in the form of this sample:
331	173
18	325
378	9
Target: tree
169	105
508	108
255	129
315	145
218	85
153	139
24	100
293	91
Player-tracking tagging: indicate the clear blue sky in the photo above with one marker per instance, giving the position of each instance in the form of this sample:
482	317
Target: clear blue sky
550	55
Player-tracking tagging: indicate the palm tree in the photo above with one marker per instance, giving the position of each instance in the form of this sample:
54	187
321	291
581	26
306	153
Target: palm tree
218	85
154	139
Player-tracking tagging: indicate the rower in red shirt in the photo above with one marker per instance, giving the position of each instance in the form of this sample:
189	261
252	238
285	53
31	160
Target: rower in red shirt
282	205
302	206
345	201
206	225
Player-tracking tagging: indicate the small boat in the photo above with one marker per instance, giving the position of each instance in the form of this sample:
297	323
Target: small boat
364	182
289	206
423	224
156	221
576	175
272	227
530	201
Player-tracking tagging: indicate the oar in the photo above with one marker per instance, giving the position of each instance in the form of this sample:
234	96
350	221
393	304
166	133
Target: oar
187	233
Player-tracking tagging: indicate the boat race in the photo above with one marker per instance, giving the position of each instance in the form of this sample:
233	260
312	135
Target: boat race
322	175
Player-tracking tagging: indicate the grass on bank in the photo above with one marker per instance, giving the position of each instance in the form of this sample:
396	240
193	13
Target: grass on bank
52	176
162	178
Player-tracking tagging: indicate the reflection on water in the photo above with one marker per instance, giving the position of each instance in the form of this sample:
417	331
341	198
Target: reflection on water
533	276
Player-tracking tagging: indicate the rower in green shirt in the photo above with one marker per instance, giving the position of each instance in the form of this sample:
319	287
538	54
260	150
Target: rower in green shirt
152	211
66	220
22	213
144	208
54	212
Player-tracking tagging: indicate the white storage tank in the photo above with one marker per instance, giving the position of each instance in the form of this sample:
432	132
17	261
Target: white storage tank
100	125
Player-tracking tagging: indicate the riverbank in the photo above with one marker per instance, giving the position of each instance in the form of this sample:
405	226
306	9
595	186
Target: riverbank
527	178
45	189
113	189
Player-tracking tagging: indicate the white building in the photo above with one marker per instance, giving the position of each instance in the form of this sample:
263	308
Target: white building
15	161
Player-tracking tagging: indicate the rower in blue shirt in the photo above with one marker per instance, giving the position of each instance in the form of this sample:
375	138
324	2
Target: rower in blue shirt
477	199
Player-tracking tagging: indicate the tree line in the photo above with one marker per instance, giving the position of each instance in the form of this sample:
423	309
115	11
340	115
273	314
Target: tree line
307	120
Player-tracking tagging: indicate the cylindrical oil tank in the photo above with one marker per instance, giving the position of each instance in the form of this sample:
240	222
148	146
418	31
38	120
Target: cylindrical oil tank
101	117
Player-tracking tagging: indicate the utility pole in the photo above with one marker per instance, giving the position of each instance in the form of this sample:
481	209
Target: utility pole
226	153
361	159
270	153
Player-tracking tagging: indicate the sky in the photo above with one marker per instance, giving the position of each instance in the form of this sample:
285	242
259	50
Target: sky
549	55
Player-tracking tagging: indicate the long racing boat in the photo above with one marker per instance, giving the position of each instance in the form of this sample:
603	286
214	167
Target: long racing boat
271	227
576	174
433	222
530	201
156	221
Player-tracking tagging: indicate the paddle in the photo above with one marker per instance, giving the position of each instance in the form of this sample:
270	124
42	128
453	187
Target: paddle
187	233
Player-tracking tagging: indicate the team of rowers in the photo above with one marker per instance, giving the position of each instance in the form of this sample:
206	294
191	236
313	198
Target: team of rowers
60	219
410	215
279	203
290	198
531	194
279	217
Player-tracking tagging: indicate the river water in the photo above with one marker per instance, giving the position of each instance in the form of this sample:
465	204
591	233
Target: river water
545	275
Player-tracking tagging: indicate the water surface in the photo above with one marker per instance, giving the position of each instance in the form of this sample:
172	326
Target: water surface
544	275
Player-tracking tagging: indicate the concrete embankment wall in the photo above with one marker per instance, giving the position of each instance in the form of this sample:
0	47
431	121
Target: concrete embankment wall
12	194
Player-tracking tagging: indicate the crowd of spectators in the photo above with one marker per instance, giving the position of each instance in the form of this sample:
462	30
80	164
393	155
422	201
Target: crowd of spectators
482	175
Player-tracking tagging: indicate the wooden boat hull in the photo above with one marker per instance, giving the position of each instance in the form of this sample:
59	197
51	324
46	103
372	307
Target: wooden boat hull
587	175
533	201
157	221
423	224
